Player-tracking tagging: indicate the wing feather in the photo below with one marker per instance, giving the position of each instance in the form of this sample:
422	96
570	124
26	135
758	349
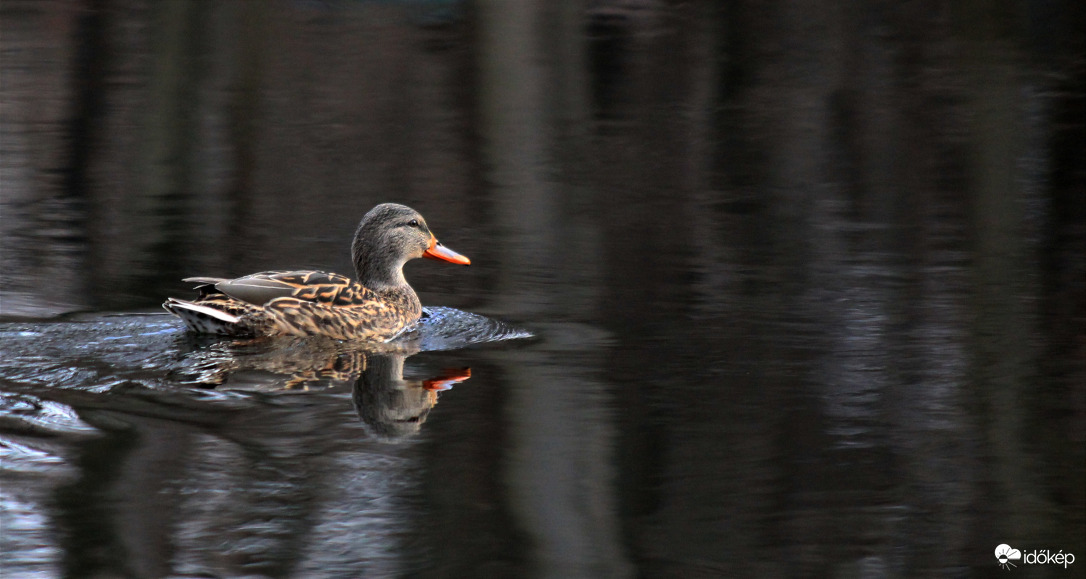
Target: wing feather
261	288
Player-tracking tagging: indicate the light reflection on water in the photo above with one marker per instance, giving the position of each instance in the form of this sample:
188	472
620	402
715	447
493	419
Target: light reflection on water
805	287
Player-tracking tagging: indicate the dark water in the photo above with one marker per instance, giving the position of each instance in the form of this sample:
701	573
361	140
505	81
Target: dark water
758	289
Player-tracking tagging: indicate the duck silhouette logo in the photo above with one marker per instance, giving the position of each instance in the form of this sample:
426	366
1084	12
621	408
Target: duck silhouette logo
1005	554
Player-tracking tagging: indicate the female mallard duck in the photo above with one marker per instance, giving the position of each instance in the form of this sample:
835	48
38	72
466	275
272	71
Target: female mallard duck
378	307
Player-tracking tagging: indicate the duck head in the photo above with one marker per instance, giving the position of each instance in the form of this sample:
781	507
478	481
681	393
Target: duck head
388	237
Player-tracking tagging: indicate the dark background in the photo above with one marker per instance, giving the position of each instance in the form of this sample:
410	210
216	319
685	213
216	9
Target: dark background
808	278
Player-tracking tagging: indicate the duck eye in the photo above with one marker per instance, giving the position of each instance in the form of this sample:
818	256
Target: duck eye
413	223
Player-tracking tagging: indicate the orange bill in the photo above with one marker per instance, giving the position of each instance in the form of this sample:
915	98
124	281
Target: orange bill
442	253
449	378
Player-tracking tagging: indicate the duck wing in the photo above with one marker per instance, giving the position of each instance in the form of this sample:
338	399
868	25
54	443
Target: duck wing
315	286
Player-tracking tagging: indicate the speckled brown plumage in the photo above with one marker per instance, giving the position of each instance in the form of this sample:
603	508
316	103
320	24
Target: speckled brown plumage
378	307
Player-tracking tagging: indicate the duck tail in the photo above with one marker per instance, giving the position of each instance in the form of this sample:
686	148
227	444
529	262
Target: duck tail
204	319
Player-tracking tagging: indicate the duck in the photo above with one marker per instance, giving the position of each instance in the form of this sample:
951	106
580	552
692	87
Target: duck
377	307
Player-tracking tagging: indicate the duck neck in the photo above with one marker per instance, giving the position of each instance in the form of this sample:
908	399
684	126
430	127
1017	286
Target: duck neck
385	277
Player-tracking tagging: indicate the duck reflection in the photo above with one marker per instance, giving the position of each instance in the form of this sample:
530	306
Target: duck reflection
390	405
394	407
175	477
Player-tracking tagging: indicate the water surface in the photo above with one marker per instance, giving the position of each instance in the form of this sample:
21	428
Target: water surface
805	288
